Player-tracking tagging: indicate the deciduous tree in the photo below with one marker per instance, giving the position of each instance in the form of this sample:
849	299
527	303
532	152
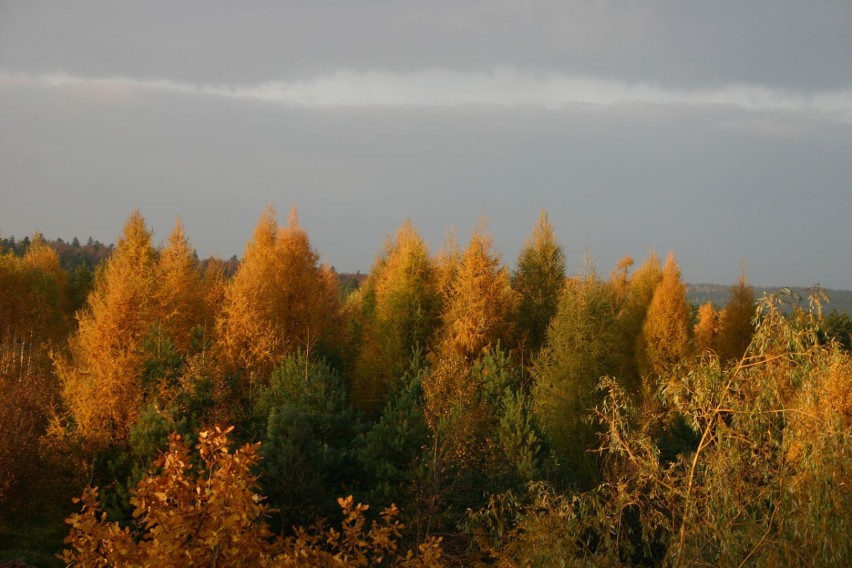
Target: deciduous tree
101	379
538	280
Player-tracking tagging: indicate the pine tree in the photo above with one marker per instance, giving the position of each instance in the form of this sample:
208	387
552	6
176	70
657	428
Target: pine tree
538	281
566	374
101	380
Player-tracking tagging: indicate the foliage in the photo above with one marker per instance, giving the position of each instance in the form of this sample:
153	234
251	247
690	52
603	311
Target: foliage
279	301
665	339
578	353
210	515
400	308
480	306
101	378
765	485
307	432
538	280
735	322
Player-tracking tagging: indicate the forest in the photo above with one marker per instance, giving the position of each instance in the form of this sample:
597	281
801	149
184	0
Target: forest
163	410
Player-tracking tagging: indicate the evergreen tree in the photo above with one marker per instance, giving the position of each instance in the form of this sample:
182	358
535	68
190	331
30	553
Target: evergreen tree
577	355
307	429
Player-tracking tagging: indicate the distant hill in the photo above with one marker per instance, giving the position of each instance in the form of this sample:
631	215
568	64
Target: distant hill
717	294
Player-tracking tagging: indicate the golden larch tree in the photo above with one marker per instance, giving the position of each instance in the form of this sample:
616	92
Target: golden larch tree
633	295
280	300
538	280
735	321
706	330
481	303
180	301
101	379
666	331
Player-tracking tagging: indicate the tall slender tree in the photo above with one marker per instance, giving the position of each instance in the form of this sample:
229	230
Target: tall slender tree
666	339
566	374
401	307
101	379
481	303
538	281
180	294
735	321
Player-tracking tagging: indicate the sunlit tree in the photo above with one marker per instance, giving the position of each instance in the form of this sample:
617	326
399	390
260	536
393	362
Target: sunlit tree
101	378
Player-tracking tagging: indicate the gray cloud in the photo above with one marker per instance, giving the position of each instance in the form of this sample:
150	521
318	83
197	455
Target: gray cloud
718	129
502	87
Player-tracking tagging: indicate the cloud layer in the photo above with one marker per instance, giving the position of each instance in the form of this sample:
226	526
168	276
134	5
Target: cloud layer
502	87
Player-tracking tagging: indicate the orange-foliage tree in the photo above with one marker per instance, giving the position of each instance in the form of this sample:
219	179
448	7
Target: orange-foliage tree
481	304
180	295
666	339
280	300
101	378
735	321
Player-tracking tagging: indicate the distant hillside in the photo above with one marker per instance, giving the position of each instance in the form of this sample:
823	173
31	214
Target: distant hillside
717	294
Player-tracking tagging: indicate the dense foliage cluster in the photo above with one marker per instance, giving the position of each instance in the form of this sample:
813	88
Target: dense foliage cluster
511	418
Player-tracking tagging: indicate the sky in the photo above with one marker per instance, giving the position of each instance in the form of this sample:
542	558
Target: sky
719	130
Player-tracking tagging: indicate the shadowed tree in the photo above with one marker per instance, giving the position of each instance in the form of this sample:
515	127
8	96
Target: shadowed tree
634	295
400	311
538	281
735	321
566	373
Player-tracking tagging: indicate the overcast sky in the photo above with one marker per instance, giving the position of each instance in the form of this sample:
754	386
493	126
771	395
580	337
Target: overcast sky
721	130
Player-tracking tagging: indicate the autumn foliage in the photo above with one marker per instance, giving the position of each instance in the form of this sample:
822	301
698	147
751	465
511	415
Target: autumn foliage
524	417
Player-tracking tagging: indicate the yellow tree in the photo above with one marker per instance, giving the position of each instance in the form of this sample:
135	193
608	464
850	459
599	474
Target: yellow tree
481	303
538	281
280	299
666	331
180	301
634	294
706	329
400	307
735	321
101	380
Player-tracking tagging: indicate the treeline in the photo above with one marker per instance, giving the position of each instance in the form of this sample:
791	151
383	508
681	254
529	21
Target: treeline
525	417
